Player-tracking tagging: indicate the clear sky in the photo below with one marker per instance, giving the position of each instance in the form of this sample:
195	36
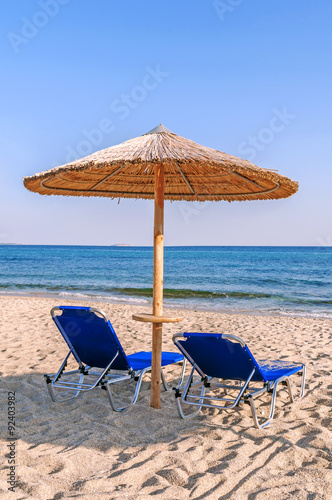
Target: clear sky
251	78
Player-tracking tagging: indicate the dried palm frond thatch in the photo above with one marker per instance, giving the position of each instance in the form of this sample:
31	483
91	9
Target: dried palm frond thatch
192	172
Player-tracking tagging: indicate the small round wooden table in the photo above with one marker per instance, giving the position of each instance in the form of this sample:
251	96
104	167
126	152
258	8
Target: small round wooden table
150	318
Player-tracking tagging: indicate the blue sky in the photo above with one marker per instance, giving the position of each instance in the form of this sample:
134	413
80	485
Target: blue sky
82	75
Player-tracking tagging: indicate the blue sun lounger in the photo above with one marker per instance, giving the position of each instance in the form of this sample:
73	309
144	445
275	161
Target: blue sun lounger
101	359
218	359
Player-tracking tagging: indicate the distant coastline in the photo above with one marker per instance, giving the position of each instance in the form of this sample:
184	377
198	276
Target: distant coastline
167	246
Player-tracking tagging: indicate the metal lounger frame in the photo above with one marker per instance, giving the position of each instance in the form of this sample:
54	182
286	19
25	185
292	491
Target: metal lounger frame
103	379
245	394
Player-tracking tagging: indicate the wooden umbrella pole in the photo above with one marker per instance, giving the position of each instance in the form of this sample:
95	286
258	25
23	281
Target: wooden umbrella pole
158	283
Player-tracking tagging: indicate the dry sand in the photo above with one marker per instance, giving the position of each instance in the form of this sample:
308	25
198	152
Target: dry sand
82	449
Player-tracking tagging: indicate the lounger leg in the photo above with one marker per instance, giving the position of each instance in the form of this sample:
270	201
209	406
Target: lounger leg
111	400
133	401
166	387
196	412
53	396
302	382
184	363
178	398
56	399
274	394
164	381
51	379
289	388
254	413
290	392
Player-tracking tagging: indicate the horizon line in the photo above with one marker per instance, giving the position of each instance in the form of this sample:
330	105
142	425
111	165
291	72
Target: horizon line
151	246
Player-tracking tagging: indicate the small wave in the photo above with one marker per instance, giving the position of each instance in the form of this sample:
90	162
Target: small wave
261	308
179	293
40	286
101	297
182	293
169	293
72	294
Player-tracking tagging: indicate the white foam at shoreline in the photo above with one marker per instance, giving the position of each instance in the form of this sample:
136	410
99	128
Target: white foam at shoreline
170	303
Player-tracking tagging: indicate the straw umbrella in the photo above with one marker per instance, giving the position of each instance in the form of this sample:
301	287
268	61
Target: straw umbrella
161	165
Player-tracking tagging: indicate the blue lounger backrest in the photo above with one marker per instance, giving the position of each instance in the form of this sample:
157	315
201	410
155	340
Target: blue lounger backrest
92	338
219	357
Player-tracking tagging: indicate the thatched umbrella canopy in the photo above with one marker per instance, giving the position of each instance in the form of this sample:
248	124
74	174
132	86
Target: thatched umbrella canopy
192	172
161	165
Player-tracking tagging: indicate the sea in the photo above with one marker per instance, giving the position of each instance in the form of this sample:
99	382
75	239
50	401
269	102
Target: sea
285	281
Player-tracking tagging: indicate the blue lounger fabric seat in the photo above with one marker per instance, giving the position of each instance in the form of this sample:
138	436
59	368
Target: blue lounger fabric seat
101	359
227	358
142	360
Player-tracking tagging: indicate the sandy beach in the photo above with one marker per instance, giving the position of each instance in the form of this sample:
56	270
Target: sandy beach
82	449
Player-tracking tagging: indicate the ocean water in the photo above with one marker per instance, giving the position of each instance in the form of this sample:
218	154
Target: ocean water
294	281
